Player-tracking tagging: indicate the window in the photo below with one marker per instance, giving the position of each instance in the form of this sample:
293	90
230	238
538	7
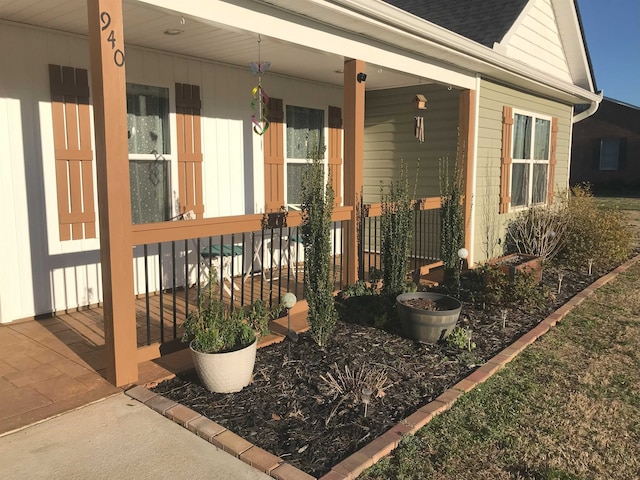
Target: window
530	160
609	153
149	152
305	132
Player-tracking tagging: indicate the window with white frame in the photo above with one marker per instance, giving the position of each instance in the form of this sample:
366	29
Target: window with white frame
305	132
609	153
530	160
149	152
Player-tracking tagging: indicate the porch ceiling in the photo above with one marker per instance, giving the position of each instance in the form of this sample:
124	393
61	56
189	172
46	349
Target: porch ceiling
145	25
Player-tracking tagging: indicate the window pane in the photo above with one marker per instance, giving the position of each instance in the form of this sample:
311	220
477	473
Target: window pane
609	153
305	128
521	137
148	119
296	173
543	135
519	184
539	183
149	190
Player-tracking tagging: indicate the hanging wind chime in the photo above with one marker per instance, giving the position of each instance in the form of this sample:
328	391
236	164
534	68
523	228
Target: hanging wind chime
260	100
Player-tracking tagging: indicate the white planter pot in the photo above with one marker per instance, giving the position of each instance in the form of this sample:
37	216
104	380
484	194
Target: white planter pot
225	372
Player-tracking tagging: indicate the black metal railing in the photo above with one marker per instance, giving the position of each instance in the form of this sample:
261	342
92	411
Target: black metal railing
240	268
425	249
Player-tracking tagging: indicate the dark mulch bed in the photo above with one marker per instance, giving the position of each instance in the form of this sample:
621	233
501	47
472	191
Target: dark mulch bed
290	411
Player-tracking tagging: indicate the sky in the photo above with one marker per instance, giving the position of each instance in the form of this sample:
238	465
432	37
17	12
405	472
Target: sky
612	29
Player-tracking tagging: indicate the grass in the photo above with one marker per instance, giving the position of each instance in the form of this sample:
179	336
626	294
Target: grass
567	408
619	203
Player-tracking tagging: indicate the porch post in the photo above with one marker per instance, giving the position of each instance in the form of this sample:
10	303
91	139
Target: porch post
466	126
353	159
106	43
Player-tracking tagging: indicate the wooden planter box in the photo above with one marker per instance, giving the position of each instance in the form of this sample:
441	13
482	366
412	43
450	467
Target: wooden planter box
519	262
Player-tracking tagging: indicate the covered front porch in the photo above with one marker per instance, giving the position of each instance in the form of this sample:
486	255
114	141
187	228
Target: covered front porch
230	213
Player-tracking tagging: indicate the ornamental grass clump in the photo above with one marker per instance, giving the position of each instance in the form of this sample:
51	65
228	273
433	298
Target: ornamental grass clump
317	207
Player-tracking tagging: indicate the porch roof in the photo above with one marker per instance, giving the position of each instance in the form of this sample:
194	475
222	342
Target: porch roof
308	39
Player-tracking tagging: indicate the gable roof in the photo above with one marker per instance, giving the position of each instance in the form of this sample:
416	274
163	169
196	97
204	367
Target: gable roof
483	21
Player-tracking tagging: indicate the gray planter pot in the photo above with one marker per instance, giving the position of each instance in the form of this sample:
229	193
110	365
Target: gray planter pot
426	325
226	372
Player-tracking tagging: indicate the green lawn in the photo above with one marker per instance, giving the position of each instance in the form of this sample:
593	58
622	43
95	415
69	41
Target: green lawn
621	203
566	408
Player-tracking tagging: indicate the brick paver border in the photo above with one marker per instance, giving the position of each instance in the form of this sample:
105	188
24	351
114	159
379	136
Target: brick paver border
359	461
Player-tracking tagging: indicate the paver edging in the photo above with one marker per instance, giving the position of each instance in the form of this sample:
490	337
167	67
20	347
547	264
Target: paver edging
383	445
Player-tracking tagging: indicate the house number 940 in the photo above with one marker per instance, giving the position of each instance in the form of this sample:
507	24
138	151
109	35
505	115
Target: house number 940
118	54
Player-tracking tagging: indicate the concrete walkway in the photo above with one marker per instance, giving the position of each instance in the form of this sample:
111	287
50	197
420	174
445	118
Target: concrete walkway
115	438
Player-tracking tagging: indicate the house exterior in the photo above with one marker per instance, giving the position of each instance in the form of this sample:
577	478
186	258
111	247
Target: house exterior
86	193
606	148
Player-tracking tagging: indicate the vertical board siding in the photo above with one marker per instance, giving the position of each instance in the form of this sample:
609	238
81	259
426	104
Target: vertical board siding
490	225
69	89
536	42
390	137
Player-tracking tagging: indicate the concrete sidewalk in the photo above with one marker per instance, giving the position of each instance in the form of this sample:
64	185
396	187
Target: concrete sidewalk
115	438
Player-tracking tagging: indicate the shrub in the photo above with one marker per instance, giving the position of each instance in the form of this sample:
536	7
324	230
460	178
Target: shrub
452	224
603	237
317	207
396	229
523	290
539	231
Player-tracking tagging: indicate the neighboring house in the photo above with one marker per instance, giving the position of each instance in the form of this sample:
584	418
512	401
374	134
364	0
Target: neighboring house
500	78
605	150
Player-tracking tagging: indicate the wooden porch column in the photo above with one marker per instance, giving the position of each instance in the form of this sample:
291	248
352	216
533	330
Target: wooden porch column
106	43
466	144
353	159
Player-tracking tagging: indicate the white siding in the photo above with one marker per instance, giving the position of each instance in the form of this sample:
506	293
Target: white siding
490	226
41	274
536	42
389	137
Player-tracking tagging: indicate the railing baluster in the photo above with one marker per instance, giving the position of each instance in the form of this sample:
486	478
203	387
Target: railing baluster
173	288
161	291
186	278
146	292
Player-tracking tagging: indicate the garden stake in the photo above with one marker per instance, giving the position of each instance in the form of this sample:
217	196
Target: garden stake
560	277
504	318
366	397
590	265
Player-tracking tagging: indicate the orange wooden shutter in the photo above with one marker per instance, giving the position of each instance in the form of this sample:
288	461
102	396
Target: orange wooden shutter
69	89
274	157
188	107
335	152
505	168
552	159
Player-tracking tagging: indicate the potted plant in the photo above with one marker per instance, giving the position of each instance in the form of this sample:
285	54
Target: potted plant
427	316
223	342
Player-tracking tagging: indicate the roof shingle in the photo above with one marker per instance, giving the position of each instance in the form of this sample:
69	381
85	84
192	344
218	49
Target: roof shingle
483	21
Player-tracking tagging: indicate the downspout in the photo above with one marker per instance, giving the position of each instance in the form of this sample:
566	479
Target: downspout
593	108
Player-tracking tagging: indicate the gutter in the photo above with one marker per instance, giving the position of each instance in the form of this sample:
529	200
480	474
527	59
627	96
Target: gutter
593	108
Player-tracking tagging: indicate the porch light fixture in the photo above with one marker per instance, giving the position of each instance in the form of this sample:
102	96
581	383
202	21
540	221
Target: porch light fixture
361	77
173	31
